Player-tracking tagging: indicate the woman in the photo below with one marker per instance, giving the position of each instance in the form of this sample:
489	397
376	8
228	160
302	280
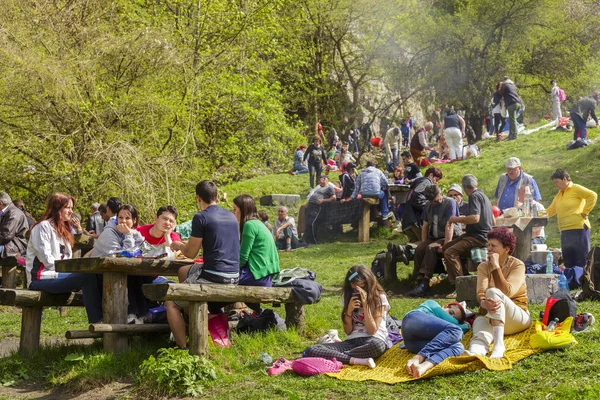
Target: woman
315	157
502	296
348	181
299	164
364	315
572	205
51	240
124	237
259	260
453	127
497	106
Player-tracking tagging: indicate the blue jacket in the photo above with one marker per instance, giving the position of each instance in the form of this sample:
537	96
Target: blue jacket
369	181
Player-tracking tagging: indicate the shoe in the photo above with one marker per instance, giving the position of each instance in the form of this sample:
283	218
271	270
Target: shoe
325	339
420	290
279	366
388	216
451	295
333	335
131	319
398	252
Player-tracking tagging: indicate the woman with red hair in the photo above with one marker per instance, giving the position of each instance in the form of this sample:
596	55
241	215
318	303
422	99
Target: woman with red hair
502	296
51	240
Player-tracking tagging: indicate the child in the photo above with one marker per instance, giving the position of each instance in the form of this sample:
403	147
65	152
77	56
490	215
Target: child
405	130
364	314
264	218
434	334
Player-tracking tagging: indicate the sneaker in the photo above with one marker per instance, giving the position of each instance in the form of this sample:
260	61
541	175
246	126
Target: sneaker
451	295
131	319
279	366
333	335
420	290
324	339
388	216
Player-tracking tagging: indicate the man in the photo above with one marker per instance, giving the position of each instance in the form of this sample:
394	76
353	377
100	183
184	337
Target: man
390	147
103	213
13	227
95	223
579	114
21	206
411	170
215	231
511	186
556	111
418	143
436	232
455	192
322	194
415	204
286	234
478	223
513	104
162	231
370	183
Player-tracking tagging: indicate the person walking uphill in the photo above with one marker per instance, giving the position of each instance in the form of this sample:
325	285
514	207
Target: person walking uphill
580	112
453	127
513	104
315	156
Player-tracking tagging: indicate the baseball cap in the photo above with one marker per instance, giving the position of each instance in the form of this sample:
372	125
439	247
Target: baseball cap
350	166
456	187
513	162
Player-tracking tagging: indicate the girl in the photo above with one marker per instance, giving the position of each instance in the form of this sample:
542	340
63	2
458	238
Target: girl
119	237
364	314
299	163
434	334
51	240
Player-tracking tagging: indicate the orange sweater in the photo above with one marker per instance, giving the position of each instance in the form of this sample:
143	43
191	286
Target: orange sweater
514	272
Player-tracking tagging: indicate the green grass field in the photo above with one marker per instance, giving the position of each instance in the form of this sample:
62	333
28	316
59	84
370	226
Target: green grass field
569	374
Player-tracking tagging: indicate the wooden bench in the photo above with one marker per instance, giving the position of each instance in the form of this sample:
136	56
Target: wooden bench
32	303
199	294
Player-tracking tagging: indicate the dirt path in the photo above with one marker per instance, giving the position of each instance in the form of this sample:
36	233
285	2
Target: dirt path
107	392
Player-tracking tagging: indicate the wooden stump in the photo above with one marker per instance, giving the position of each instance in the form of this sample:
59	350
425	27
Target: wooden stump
31	322
198	328
295	316
365	220
390	273
9	276
114	297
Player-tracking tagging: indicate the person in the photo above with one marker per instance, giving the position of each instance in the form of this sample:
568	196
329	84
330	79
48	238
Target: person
52	240
21	206
442	151
513	104
95	223
364	313
435	232
478	223
415	204
579	114
299	163
259	260
348	181
13	228
213	229
322	194
405	126
418	143
433	333
285	231
510	190
315	157
501	294
264	218
332	138
453	128
411	170
455	192
371	182
103	210
572	206
123	236
162	231
398	175
390	147
556	112
436	119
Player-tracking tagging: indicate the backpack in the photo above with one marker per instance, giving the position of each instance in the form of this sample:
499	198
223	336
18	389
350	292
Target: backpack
590	280
560	305
562	95
378	264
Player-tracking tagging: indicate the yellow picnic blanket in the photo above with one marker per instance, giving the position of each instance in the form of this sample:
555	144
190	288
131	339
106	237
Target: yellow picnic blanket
391	366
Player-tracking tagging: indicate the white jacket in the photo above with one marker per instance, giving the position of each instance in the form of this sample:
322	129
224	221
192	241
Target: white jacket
43	249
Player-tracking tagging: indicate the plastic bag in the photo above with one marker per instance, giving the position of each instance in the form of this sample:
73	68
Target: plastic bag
560	338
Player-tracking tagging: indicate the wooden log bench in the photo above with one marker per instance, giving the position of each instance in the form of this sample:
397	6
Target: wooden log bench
32	303
365	220
198	295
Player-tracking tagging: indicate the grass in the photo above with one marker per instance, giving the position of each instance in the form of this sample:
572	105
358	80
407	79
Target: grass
570	374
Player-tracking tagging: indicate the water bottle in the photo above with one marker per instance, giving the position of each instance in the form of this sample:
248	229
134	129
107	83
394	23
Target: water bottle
266	358
527	202
562	282
552	324
437	279
549	262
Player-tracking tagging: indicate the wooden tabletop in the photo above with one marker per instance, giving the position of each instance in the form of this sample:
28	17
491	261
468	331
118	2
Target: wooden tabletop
130	266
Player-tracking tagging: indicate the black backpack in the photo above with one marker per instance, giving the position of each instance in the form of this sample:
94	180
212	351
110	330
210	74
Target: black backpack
560	305
378	264
590	280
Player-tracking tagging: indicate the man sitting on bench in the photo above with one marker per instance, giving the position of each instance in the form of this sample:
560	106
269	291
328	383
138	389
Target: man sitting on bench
13	227
216	231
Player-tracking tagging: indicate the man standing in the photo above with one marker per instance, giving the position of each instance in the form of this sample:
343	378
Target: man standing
511	186
322	194
370	183
286	234
556	112
436	232
215	231
478	223
513	104
13	226
95	223
390	147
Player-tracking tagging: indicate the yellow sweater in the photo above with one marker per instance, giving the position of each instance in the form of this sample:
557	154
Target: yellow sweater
569	204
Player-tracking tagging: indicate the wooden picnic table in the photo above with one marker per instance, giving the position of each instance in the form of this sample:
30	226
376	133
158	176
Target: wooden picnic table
399	192
522	229
114	295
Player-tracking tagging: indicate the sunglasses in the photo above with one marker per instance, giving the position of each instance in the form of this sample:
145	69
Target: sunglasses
454	195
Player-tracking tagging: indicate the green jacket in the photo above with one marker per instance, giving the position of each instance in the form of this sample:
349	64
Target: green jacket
258	250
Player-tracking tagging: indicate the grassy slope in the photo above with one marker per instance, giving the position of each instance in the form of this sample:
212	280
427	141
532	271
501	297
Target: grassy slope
571	374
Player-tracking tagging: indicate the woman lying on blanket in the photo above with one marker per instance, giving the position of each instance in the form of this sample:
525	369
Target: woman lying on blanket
364	314
434	334
502	295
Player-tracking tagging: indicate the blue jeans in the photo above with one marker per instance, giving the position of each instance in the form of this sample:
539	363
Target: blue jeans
580	127
67	282
575	244
315	171
383	201
393	163
431	337
300	169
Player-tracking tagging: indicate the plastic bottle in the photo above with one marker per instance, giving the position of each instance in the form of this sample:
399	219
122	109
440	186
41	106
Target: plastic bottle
552	324
266	358
437	279
562	282
549	262
527	202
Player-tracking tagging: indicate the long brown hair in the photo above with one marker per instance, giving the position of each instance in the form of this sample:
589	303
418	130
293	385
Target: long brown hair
55	203
247	207
372	287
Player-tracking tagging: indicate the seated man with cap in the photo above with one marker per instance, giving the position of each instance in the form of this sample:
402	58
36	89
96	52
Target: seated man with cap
455	192
511	186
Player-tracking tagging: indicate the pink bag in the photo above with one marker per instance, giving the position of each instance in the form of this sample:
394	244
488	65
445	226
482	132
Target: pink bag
218	327
310	366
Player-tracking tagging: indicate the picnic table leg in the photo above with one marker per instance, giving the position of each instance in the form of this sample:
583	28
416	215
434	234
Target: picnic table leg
523	246
295	316
31	323
9	276
114	307
363	224
198	313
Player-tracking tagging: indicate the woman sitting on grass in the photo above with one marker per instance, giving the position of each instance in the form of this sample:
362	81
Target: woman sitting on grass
364	318
434	334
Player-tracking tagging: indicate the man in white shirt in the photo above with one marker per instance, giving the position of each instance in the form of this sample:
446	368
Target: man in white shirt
285	234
